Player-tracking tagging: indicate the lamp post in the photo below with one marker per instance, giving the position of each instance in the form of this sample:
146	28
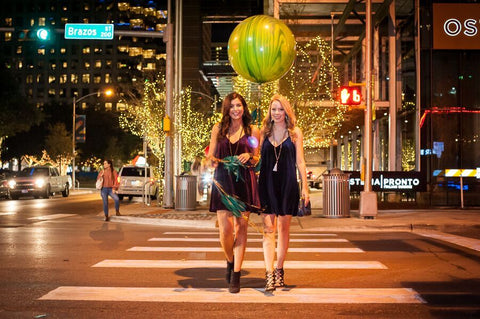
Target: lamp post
75	100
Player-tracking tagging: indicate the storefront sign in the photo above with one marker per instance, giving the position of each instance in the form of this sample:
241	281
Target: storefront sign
390	181
456	26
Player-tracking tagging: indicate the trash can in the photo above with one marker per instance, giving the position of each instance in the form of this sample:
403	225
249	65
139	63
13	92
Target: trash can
186	195
336	194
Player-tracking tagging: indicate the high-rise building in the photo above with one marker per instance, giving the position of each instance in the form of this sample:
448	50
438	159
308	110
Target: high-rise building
58	69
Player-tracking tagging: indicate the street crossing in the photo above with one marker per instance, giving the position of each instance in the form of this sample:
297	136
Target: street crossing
210	243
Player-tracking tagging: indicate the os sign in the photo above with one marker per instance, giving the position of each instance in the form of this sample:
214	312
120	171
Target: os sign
456	26
89	31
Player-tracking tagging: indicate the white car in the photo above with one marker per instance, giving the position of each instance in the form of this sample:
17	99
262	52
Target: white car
133	182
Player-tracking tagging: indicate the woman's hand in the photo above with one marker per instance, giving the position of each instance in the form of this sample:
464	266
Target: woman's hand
306	196
244	157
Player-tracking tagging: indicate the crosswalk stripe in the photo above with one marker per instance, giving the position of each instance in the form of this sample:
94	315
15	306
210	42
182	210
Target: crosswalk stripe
53	216
467	242
247	264
252	240
246	295
249	234
249	249
7	213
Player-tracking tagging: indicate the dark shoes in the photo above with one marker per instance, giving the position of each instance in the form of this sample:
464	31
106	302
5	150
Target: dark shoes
234	282
228	275
279	277
117	213
269	281
107	218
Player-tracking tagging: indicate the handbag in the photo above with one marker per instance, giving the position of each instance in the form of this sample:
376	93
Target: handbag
99	183
304	210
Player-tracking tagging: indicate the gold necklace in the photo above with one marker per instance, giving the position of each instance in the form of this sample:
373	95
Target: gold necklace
277	157
238	142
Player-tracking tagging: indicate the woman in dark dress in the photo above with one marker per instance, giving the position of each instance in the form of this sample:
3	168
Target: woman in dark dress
230	137
282	154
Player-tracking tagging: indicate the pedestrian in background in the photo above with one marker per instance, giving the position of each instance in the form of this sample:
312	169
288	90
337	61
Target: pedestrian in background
229	138
109	177
282	155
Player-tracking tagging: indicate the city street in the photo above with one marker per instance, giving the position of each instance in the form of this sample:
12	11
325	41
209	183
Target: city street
61	260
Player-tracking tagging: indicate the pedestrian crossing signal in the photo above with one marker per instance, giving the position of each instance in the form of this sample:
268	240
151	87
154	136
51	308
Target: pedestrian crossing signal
350	95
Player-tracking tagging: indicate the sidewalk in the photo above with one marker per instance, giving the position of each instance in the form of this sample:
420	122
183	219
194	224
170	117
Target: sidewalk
399	220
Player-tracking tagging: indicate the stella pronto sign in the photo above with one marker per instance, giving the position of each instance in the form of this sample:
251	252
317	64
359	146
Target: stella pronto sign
390	181
456	26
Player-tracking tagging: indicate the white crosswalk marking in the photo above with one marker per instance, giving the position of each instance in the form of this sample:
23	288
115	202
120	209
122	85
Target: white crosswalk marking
252	240
247	264
249	249
249	234
246	295
53	216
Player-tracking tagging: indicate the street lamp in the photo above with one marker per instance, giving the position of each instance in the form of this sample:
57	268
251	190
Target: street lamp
107	92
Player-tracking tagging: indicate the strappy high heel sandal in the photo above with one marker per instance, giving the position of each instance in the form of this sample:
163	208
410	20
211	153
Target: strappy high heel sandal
279	277
228	274
269	281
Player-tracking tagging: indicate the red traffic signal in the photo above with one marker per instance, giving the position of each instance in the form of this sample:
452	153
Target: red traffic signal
350	95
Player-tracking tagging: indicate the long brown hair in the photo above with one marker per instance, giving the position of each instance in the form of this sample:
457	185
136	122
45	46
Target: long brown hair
110	162
225	122
290	118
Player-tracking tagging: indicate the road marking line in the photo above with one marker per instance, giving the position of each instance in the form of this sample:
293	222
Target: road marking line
253	240
247	264
249	234
53	216
8	213
467	242
249	249
246	295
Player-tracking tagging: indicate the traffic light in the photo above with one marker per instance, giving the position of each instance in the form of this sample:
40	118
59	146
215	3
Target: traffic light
350	95
40	34
43	34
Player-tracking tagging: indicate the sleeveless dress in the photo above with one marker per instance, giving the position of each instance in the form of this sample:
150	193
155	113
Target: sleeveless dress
279	191
246	188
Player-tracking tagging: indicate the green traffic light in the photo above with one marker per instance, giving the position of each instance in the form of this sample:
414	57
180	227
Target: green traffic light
43	34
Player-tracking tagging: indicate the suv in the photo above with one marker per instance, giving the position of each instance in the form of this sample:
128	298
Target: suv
133	182
39	181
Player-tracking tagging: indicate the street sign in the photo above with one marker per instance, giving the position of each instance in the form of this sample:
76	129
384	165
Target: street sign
89	31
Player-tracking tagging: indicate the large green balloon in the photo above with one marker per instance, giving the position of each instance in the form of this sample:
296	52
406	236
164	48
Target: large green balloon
261	49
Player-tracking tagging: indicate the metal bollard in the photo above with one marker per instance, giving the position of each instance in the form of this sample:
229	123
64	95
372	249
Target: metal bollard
336	194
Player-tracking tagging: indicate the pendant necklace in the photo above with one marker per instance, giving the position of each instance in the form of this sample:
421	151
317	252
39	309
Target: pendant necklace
277	157
230	143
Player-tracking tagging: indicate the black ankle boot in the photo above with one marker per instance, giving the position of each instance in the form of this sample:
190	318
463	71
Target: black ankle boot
228	275
235	282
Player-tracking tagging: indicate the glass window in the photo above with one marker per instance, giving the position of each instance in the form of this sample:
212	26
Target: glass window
85	78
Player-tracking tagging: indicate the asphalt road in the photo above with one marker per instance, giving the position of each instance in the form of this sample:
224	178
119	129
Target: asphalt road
60	260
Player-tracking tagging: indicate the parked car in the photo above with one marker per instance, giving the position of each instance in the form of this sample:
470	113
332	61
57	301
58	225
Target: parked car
38	181
133	182
4	175
317	182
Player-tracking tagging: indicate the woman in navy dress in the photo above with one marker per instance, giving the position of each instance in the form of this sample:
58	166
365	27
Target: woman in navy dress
282	155
230	137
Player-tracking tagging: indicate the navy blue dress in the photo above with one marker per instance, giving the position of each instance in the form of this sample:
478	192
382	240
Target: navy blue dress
279	191
246	188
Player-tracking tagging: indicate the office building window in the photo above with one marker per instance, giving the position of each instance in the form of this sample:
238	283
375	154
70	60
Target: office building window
19	49
85	78
29	79
20	65
87	65
41	51
86	50
64	64
63	78
107	78
41	21
51	93
97	79
74	78
51	79
98	64
108	106
53	66
63	50
8	36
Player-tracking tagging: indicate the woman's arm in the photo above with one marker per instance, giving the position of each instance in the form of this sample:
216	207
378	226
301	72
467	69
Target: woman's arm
211	160
302	168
